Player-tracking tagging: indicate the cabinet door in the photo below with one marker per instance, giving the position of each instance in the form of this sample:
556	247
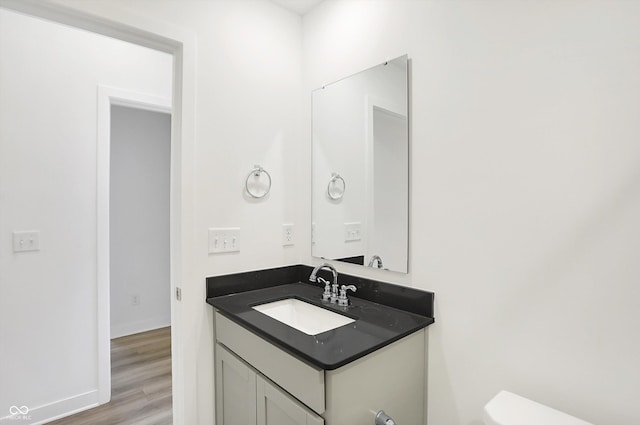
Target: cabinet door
235	390
275	407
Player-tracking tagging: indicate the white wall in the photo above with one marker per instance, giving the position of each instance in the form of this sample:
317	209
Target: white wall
139	220
49	77
525	191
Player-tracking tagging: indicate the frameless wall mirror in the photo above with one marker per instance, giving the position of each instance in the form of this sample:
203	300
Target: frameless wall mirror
360	168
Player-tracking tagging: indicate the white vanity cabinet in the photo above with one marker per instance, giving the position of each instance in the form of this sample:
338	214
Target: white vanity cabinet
259	383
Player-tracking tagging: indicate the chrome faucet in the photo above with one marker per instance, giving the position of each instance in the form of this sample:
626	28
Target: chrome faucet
327	296
375	258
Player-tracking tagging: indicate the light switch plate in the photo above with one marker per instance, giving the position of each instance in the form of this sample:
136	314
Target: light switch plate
287	235
24	241
352	231
224	239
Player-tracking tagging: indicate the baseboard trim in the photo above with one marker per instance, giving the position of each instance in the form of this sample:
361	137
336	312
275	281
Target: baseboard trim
124	329
56	410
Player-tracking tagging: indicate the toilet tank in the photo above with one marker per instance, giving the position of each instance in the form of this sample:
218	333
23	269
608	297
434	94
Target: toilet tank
511	409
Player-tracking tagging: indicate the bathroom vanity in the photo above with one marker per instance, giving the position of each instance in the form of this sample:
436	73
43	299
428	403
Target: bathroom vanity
268	372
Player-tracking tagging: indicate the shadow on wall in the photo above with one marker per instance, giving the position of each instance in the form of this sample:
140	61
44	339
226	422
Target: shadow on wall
439	373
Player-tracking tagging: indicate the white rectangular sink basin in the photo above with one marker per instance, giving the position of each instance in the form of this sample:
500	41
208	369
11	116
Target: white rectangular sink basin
303	316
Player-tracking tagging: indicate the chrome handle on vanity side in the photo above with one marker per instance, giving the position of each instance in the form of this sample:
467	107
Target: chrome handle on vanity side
383	419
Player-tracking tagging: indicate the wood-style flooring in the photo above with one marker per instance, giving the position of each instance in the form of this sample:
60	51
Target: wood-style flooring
140	383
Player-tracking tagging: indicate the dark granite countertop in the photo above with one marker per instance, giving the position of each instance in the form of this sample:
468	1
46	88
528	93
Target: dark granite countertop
375	325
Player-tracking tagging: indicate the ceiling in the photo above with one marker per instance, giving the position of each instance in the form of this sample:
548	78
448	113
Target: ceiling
298	6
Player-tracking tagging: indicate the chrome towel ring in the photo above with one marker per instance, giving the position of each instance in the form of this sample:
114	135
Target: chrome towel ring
254	187
336	187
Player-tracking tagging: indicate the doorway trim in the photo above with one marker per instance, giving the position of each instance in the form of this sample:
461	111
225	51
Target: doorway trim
108	97
181	43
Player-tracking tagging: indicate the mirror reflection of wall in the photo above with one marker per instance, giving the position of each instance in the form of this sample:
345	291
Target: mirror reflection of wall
360	134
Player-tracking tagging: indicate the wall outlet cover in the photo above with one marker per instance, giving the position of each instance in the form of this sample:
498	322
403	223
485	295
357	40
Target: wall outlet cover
288	236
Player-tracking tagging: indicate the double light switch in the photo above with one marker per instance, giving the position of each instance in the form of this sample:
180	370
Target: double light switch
26	241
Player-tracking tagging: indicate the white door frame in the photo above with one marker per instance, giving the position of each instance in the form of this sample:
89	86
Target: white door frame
107	97
180	43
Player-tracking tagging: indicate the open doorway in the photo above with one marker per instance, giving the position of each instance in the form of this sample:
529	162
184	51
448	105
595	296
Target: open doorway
139	272
66	280
388	218
139	220
134	286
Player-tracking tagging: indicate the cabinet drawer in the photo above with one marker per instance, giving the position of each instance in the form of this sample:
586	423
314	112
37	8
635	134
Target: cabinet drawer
301	380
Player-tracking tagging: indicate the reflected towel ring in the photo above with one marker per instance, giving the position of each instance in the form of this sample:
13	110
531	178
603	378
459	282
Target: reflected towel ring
256	172
336	187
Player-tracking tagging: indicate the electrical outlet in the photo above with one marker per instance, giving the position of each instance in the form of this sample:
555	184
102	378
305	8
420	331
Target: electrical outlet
225	239
287	235
26	241
135	300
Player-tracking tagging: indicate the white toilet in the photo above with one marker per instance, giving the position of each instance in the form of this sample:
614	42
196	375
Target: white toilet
510	409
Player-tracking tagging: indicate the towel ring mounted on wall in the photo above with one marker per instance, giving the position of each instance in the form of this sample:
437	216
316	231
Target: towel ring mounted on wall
256	173
336	187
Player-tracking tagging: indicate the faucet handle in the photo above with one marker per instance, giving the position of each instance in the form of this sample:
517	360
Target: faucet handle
342	299
344	288
327	289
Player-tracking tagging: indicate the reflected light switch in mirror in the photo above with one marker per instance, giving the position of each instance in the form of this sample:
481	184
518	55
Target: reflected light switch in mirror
26	241
352	231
